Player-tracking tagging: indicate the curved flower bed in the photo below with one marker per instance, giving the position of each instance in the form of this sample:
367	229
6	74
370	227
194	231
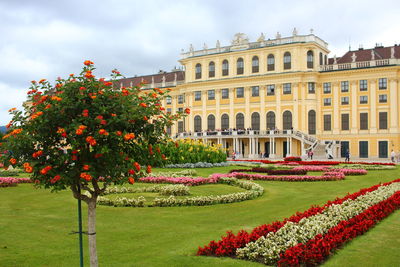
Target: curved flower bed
197	165
254	190
336	222
327	176
179	180
11	181
350	171
273	171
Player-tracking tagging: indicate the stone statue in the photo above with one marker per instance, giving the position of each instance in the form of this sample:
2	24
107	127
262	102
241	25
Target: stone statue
392	52
353	57
163	78
152	79
334	59
240	39
372	54
191	48
261	38
205	46
278	35
218	45
311	31
294	31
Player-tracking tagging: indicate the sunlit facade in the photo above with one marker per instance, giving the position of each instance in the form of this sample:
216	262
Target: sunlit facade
284	96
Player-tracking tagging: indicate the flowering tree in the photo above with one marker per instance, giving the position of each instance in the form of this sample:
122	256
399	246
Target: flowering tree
83	134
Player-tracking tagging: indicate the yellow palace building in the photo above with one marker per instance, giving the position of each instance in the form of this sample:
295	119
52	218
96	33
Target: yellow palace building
285	96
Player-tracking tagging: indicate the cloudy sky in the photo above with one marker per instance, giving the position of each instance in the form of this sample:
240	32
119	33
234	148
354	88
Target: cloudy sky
47	39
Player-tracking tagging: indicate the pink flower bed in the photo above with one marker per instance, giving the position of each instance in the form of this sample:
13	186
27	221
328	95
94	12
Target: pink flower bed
350	171
11	181
179	180
312	168
328	176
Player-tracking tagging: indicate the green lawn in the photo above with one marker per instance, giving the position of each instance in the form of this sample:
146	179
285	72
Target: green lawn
35	226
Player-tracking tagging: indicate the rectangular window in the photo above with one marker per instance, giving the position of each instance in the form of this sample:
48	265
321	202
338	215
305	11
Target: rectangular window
382	83
287	88
383	120
211	94
382	98
271	89
363	121
363	99
311	88
327	88
363	85
383	149
180	109
168	100
345	100
169	130
327	101
240	92
180	126
225	93
327	122
197	95
345	122
180	99
255	91
344	86
169	110
363	149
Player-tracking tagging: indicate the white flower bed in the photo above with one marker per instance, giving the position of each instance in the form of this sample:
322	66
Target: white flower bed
197	165
267	249
183	173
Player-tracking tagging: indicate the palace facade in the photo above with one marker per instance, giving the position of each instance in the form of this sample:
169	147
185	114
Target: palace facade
285	96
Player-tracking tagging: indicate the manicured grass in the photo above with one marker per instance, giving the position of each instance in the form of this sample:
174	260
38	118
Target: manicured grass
35	226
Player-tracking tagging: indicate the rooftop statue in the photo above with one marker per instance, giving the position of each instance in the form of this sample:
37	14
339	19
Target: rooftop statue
240	39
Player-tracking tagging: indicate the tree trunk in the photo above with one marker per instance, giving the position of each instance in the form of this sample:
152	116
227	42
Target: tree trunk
92	232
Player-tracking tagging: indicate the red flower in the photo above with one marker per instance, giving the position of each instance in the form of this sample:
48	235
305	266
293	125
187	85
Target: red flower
131	180
187	110
145	118
143	105
45	170
129	136
119	133
13	161
86	176
55	179
99	155
86	167
88	62
131	171
137	166
103	132
148	170
85	113
82	88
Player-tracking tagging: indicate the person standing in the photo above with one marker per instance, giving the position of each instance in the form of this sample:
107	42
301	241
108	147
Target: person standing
347	159
392	155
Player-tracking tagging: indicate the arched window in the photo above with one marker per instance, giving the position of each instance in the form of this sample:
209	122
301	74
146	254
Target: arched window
310	59
271	120
287	61
255	121
211	122
311	122
224	122
197	123
321	59
270	62
287	120
239	66
239	121
225	68
211	69
255	64
198	71
325	59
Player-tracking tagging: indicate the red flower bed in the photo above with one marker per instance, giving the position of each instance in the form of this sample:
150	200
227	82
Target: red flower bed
272	172
228	244
370	163
292	159
316	250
